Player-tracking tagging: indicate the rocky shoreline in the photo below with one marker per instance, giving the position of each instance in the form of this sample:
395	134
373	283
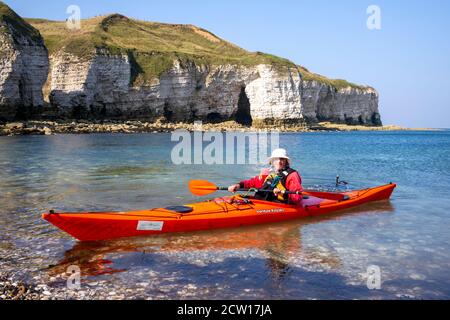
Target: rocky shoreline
55	288
47	73
13	289
36	127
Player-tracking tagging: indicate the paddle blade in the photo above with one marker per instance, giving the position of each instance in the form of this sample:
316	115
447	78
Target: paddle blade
202	187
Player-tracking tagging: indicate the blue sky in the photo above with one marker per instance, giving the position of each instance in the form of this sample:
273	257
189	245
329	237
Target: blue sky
407	61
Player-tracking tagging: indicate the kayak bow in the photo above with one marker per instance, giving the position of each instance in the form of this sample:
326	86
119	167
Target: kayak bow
225	212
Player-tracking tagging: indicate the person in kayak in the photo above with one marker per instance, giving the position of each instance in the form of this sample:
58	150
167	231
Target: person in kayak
283	178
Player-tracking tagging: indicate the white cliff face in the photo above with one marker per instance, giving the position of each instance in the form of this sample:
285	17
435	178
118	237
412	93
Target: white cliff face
183	93
204	92
8	75
101	87
23	72
275	94
349	105
91	83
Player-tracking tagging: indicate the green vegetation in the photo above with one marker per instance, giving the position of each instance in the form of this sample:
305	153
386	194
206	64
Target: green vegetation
57	36
338	84
152	47
146	66
19	26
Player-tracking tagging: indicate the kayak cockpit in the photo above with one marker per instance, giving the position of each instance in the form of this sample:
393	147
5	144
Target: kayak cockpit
180	209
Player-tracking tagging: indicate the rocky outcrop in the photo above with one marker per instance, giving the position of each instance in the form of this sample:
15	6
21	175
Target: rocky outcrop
86	81
275	94
23	66
101	87
322	102
88	86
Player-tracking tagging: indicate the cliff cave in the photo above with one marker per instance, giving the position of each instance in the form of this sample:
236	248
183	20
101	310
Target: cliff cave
243	115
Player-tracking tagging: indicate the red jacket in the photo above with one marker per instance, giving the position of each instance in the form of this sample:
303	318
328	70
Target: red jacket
293	183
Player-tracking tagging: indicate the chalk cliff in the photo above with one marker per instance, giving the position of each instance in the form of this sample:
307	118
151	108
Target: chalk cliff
322	102
23	66
185	92
118	68
100	88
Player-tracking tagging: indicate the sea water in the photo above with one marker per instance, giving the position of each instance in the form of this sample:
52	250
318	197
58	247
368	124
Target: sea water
406	239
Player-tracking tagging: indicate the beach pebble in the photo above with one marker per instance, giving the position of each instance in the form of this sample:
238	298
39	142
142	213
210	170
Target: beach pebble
143	284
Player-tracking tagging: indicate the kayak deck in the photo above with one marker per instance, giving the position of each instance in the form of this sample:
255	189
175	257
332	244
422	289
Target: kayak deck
223	212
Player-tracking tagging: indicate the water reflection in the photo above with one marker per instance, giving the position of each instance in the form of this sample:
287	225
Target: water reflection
280	244
128	172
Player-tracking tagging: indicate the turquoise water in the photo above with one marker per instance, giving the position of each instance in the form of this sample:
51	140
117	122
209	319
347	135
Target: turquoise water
327	258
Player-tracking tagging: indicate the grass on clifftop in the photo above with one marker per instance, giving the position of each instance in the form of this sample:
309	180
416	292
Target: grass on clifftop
152	46
19	26
57	36
338	84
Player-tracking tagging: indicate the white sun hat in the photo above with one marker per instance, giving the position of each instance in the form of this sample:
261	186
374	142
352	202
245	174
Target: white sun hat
279	153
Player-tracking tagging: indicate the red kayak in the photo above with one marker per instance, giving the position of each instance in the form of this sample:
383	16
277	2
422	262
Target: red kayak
226	212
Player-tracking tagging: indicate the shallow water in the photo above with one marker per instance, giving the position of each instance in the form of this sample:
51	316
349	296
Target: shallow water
324	258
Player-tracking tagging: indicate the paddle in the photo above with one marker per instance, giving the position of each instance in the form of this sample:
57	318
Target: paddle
204	187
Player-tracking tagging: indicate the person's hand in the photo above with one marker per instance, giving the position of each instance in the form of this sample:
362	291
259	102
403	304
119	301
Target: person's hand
233	188
277	191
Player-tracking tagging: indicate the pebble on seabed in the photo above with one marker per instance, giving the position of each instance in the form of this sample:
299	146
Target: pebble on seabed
10	289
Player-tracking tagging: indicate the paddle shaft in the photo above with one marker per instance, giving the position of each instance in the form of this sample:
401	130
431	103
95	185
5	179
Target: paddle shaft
259	190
